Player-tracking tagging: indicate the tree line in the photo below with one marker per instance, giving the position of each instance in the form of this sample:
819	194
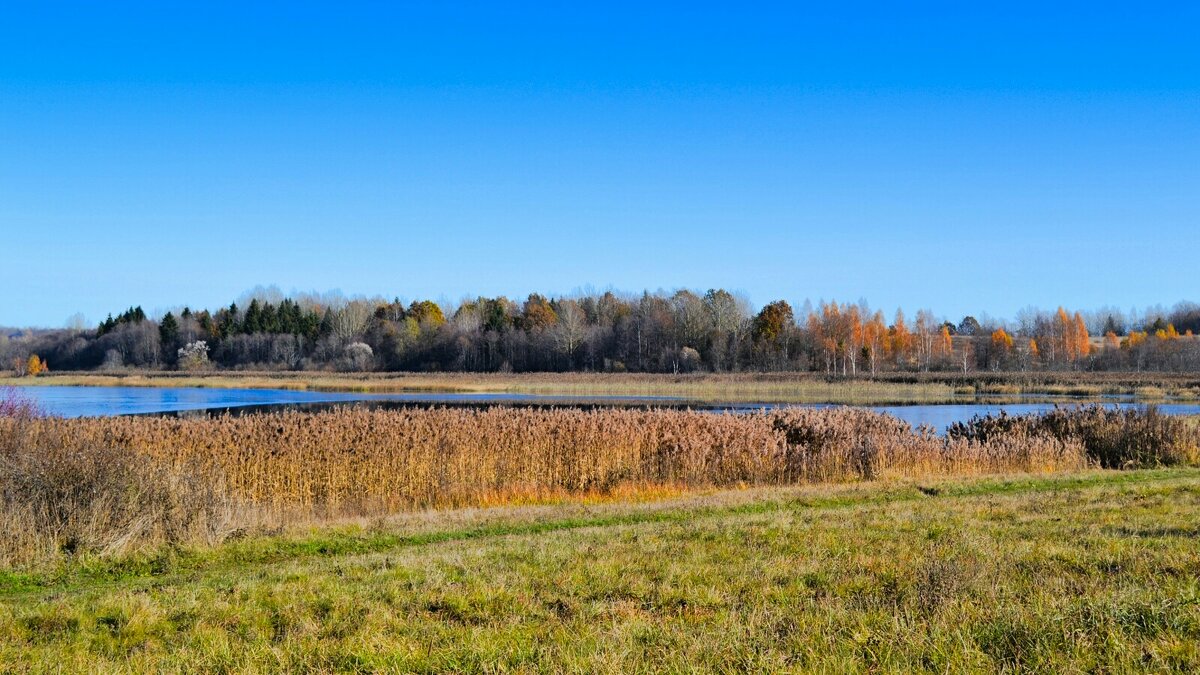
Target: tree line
679	332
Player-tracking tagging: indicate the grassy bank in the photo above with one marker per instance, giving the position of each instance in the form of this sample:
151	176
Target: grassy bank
1094	571
756	387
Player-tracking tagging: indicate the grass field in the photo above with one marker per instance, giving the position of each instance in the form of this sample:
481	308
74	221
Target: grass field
1096	571
735	387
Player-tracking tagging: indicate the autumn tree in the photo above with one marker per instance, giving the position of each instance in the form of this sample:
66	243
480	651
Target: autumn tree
772	322
426	313
900	340
925	338
35	366
537	314
875	336
1083	343
1002	344
852	329
772	327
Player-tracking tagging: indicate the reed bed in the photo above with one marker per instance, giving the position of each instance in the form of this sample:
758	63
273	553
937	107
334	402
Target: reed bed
112	484
360	461
1112	438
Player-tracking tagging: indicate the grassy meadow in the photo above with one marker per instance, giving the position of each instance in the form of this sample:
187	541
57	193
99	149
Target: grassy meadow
603	540
1088	572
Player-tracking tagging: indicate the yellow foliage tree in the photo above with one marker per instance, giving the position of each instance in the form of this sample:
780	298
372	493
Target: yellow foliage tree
1002	341
1135	338
1064	333
901	339
35	366
875	335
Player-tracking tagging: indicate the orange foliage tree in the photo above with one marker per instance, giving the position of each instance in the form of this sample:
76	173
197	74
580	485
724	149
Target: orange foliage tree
35	366
875	335
901	340
1083	344
1002	344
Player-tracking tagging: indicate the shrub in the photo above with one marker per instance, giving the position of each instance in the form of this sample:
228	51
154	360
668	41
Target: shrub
193	355
59	496
102	500
14	404
359	356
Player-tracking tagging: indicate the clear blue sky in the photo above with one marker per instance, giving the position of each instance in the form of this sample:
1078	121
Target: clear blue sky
966	157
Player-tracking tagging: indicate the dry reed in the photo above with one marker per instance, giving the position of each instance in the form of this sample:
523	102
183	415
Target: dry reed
1112	438
356	461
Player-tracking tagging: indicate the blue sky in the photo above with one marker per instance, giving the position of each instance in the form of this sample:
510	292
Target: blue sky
964	157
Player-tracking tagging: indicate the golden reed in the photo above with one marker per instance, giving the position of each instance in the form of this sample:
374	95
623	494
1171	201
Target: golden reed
355	461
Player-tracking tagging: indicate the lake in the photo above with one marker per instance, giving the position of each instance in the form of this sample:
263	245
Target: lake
104	401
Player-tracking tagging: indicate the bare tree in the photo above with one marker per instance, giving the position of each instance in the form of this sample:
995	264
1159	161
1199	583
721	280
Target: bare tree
350	321
571	327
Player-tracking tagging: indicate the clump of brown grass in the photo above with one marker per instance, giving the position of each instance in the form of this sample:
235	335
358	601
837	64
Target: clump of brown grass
356	461
62	496
1112	438
73	500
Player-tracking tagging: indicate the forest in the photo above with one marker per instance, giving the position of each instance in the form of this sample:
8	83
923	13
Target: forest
678	332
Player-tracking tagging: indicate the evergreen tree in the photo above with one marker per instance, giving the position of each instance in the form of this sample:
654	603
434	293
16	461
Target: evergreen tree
168	330
268	320
252	321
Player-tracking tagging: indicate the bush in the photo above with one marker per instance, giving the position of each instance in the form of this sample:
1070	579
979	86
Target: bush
193	356
16	405
65	498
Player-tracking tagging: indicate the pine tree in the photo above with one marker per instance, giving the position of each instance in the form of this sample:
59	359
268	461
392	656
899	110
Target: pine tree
168	332
252	321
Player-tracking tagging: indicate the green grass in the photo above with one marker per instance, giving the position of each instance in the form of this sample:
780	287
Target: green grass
1095	571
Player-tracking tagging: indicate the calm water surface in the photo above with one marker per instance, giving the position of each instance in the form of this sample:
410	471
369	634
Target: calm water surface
104	401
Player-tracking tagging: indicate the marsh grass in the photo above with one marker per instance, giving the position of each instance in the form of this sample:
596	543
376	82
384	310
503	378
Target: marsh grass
361	461
107	485
1111	438
61	499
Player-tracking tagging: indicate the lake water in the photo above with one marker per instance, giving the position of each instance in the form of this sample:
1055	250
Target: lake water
104	401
